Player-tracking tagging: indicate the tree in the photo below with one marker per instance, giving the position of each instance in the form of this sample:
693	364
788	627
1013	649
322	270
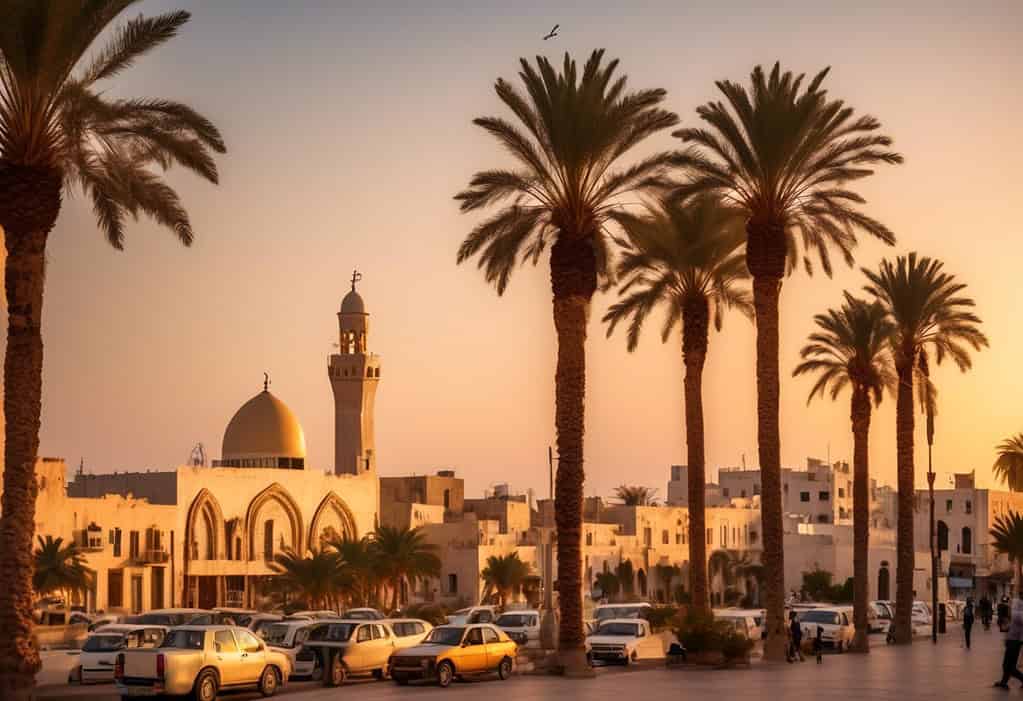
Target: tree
667	574
687	259
319	578
358	556
1007	539
608	584
1008	465
403	555
59	130
633	495
817	584
850	350
504	575
573	131
784	155
59	568
626	575
930	318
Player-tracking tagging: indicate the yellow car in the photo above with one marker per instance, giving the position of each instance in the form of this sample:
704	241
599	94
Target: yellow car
454	651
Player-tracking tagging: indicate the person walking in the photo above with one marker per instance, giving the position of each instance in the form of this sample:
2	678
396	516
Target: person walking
795	638
968	620
1013	643
818	645
985	612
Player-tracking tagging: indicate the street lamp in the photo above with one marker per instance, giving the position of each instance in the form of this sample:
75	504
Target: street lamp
934	544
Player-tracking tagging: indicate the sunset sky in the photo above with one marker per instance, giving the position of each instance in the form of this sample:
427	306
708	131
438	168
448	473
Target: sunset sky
349	130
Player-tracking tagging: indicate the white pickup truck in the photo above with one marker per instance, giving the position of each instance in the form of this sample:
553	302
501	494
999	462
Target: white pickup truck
623	640
201	660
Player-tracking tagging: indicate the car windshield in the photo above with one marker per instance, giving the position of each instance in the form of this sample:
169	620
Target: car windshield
514	620
183	639
262	624
826	617
103	643
461	612
445	635
277	635
616	628
618	612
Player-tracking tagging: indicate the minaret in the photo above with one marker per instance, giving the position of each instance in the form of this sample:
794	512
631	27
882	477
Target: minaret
354	374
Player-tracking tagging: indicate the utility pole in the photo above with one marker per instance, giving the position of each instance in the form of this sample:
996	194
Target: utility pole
934	543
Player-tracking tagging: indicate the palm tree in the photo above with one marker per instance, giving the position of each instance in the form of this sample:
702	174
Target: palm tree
687	258
1008	466
634	495
568	183
784	155
61	130
1007	539
403	555
667	574
59	568
319	578
504	575
358	556
608	583
930	318
850	349
626	575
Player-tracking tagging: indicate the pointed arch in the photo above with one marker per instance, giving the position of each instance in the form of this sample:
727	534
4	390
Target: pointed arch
254	530
204	517
332	504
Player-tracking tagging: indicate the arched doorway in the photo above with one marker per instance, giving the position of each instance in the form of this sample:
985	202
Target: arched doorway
884	582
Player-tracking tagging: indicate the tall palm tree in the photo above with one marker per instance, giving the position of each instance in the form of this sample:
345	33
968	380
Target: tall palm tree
784	155
61	130
931	319
850	350
358	556
403	555
573	130
1008	465
686	258
1007	539
59	568
319	578
635	495
504	575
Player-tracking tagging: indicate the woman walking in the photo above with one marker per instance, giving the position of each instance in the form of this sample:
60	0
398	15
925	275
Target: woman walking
1013	643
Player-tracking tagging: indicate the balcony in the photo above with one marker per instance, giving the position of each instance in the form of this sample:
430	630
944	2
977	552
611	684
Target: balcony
153	556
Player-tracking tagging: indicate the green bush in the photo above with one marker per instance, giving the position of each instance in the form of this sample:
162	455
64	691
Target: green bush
699	631
662	617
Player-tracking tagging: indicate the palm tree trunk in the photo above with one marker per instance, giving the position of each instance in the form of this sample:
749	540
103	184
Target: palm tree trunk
29	205
573	281
861	516
904	423
695	328
766	291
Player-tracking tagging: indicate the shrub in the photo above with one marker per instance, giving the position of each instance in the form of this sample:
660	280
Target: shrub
700	632
662	617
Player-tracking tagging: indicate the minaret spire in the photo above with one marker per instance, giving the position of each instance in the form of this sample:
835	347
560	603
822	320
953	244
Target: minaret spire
356	276
266	381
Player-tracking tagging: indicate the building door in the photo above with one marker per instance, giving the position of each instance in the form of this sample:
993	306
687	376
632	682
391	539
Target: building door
883	577
157	588
207	592
115	589
136	593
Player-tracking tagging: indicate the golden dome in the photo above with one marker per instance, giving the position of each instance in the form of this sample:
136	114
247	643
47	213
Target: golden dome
263	428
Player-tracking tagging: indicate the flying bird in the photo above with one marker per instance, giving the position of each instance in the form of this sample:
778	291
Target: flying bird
554	33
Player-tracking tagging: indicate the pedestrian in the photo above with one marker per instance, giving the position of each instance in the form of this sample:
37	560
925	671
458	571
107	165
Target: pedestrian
968	620
818	645
795	638
985	611
1003	614
1013	643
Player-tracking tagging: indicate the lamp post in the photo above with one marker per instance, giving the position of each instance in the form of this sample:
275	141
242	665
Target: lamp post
934	544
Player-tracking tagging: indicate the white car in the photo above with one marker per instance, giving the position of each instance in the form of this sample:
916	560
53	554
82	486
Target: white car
835	622
623	640
521	626
363	614
99	653
606	612
408	632
286	637
921	614
473	614
743	621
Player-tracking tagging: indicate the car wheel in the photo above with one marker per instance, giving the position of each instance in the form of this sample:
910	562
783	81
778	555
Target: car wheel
841	646
400	679
269	682
504	669
379	674
205	686
445	673
337	673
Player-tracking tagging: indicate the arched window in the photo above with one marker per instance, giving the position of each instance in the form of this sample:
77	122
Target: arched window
268	540
967	541
883	582
452	583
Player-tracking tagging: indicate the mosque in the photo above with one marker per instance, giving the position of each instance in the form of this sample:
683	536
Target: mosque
199	536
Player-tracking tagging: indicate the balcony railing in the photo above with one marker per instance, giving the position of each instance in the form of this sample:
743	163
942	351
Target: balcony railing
153	556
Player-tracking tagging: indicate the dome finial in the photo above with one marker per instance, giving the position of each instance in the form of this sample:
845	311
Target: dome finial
266	381
356	276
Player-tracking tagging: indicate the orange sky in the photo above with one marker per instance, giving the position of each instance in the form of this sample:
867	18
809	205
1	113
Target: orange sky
349	131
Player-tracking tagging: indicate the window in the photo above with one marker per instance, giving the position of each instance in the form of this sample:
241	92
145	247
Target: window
804	496
724	492
247	641
665	538
117	543
589	538
452	583
365	633
678	538
948	506
824	496
841	493
743	494
756	488
447	499
475	636
822	518
648	537
223	641
710	536
490	635
967	541
969	506
724	536
133	545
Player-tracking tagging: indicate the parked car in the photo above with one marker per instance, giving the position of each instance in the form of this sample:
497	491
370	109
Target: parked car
743	622
473	614
921	613
259	621
882	618
105	619
836	622
408	631
99	652
347	648
455	650
168	617
521	626
201	660
363	614
312	615
287	637
606	612
623	640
